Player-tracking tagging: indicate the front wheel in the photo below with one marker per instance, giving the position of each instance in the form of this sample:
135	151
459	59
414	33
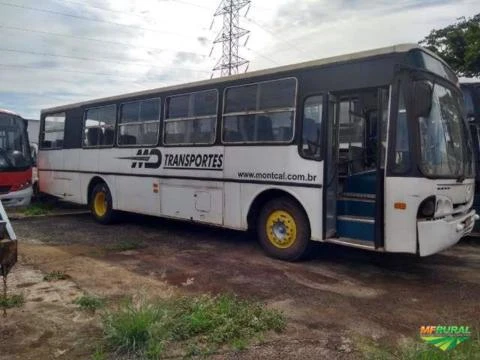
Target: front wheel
283	229
101	204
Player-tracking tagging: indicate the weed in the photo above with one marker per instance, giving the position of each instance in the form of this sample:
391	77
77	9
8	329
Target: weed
90	303
200	325
470	349
99	354
11	301
56	275
37	209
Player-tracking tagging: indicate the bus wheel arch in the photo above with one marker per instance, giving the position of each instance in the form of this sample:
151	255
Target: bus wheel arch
278	206
100	200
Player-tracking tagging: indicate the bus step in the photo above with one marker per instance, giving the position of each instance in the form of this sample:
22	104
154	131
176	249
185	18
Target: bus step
355	207
358	195
361	244
356	227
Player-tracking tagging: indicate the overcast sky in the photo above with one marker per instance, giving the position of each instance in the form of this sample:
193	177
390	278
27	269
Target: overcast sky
55	52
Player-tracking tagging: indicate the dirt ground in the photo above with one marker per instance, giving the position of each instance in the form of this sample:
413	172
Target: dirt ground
340	296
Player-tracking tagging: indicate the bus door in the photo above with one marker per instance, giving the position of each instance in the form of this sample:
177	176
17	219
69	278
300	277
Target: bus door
359	139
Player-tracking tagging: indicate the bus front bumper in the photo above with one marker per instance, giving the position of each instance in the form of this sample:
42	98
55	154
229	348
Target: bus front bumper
437	235
17	198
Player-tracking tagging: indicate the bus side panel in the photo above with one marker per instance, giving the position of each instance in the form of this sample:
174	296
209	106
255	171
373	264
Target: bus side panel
72	179
401	225
137	194
195	200
50	181
234	216
262	168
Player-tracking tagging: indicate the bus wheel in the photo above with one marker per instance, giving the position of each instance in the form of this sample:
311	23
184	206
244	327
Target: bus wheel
283	229
101	204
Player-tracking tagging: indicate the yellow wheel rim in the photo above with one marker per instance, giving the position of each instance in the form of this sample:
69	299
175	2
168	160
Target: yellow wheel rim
100	204
281	229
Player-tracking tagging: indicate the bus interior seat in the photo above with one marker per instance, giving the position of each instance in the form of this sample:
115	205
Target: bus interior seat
108	137
94	135
150	138
128	139
46	144
59	143
232	136
264	129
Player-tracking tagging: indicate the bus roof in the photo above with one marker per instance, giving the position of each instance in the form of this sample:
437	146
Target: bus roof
400	48
8	112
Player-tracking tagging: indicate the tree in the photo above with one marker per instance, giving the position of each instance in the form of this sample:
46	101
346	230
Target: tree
458	44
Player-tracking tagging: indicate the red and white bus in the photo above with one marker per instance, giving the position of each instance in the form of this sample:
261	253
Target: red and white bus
15	160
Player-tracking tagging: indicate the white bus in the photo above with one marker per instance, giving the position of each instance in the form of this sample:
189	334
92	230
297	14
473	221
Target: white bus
367	150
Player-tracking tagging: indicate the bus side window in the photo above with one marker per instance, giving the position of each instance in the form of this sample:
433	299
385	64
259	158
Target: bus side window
98	126
53	131
402	142
139	123
312	125
260	113
191	118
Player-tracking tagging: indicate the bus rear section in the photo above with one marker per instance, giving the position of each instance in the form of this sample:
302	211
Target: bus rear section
15	161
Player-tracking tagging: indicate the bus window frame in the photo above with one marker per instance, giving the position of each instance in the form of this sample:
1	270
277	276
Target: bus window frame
119	124
43	131
324	96
165	119
260	143
114	127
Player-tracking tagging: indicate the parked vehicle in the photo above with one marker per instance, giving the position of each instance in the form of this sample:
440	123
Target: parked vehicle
368	150
471	96
15	161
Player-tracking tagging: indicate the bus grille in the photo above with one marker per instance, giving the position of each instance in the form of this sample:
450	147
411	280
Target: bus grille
5	189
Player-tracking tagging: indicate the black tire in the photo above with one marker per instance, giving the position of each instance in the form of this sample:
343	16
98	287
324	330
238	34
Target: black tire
107	215
285	213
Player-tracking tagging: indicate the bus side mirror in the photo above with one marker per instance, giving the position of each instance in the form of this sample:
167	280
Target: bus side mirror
422	97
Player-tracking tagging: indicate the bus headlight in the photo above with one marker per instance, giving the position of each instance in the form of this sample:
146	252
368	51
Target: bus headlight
444	206
427	208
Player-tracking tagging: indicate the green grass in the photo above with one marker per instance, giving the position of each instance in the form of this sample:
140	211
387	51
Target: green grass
198	325
467	350
90	303
56	275
37	209
125	245
11	301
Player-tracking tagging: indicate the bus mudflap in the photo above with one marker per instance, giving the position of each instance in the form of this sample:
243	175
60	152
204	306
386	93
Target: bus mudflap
437	235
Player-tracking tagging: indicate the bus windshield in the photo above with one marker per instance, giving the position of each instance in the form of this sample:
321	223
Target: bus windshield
444	140
14	147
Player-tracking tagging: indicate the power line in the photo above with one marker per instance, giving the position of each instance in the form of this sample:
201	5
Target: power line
89	19
272	33
91	39
263	56
27	67
95	59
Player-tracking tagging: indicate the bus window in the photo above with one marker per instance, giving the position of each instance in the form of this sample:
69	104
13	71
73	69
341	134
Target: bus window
402	143
99	126
139	123
261	112
53	131
191	118
312	125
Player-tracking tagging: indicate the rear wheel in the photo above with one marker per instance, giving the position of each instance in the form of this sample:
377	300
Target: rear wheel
283	229
101	204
